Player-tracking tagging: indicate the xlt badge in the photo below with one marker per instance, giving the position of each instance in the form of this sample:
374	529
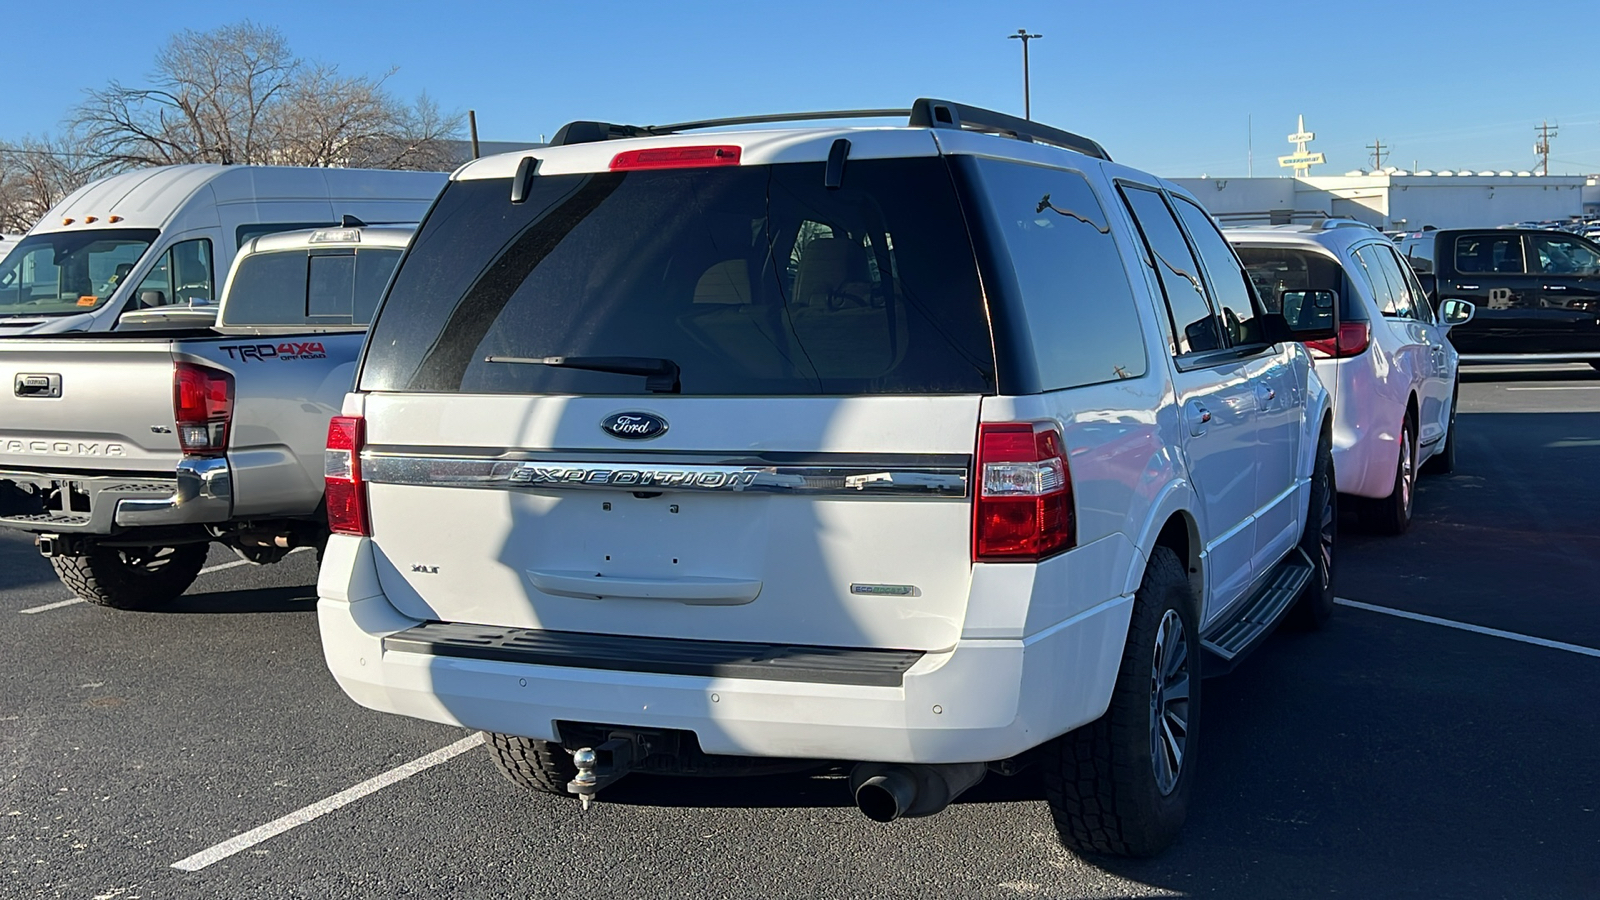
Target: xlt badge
634	426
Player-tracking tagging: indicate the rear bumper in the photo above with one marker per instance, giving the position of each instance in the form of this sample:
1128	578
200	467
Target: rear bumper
981	700
200	491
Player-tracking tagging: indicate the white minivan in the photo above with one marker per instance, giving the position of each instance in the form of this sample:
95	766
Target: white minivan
159	237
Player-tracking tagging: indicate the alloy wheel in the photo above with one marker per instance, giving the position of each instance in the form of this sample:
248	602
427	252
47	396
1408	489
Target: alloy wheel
1408	468
1169	701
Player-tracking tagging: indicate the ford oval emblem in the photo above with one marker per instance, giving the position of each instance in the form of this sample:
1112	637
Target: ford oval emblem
634	426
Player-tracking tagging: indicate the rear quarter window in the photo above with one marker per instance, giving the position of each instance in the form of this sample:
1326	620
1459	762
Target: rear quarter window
1071	280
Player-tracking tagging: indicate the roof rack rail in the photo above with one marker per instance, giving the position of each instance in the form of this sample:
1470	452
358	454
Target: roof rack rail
1333	222
924	113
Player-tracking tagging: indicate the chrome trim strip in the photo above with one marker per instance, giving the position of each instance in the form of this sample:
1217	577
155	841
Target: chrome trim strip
503	474
1513	358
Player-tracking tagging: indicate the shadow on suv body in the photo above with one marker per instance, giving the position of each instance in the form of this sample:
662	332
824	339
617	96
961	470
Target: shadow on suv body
921	449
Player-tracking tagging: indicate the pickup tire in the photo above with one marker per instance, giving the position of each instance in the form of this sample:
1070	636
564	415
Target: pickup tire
1319	540
533	764
1392	514
1108	789
1444	462
131	578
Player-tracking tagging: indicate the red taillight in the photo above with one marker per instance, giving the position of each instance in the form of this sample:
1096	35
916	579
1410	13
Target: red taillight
202	404
1353	338
346	492
1022	510
675	158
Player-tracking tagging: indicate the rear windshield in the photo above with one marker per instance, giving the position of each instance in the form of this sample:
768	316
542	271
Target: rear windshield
321	288
751	279
1278	269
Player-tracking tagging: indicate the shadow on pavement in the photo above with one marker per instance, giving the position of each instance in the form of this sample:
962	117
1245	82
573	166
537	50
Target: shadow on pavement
1470	375
298	598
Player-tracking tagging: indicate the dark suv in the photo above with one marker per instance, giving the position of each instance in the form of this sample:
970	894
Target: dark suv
1537	292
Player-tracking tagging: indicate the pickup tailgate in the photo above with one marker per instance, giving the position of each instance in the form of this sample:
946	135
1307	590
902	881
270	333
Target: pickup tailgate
83	404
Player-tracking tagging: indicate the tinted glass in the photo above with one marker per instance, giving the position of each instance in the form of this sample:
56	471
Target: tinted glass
1385	291
1556	254
1074	287
331	285
1278	269
288	287
1194	327
1419	252
1489	254
267	289
1230	286
67	273
753	279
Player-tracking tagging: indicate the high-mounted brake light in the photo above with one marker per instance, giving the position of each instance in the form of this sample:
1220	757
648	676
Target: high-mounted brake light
346	492
202	405
675	158
1022	511
1352	338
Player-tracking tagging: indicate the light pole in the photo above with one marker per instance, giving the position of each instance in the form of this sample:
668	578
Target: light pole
1027	94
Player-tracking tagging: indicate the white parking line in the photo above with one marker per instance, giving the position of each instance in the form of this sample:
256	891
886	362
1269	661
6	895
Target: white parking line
1475	629
322	807
49	606
75	600
1559	387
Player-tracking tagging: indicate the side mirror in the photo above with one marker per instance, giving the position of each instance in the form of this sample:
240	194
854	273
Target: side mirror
151	299
1455	312
1430	284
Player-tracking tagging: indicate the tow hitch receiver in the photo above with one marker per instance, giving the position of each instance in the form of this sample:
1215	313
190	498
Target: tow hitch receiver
604	764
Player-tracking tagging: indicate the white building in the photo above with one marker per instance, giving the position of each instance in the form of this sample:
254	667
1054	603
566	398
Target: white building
1401	201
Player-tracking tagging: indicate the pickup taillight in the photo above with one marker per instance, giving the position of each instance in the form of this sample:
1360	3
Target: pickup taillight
1022	511
202	404
346	492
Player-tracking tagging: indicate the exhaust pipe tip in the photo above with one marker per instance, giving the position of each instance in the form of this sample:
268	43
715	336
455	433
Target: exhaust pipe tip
887	796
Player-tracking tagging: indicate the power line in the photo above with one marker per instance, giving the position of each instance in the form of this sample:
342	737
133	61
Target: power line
1379	154
1542	146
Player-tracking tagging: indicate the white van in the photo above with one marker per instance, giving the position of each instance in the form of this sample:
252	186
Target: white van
160	237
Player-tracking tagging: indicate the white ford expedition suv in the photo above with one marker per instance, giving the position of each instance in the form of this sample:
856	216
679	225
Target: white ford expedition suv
929	451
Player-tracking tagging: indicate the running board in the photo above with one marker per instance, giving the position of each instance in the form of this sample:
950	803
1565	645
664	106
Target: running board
1227	641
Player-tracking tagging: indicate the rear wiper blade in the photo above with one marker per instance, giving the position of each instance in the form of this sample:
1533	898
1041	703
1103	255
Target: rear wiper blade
661	375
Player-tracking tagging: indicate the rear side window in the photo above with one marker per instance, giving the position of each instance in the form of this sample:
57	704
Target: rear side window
754	280
1194	327
292	287
1072	283
1389	289
1419	252
1489	254
1228	280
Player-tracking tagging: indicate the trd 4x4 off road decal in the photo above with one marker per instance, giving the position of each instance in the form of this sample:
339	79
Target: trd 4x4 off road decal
286	350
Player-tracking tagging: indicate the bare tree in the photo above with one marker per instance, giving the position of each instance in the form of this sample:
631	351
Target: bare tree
36	174
237	94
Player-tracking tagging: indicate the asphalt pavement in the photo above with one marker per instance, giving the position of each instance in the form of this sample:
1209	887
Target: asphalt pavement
1384	756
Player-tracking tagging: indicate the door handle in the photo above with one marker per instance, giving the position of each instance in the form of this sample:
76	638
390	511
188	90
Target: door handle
1554	287
1467	287
1199	417
37	385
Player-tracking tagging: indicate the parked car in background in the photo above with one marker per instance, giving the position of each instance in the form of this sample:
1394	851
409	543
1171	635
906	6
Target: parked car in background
128	453
161	237
1390	369
1537	292
924	449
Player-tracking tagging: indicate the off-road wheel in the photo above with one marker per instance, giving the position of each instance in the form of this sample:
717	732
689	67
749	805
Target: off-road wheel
532	764
1444	462
1121	784
1392	514
1319	541
131	577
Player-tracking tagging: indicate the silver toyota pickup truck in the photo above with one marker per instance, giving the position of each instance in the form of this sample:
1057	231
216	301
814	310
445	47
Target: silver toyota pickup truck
129	452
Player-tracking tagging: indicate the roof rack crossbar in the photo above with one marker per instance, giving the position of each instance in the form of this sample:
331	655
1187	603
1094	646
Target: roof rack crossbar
925	113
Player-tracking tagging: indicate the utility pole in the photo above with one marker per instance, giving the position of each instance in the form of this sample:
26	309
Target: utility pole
1027	93
1541	147
1378	154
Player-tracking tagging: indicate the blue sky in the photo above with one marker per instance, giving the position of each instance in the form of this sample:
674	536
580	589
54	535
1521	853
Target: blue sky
1166	86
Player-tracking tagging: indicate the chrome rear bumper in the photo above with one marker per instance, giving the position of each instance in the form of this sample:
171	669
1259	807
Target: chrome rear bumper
200	491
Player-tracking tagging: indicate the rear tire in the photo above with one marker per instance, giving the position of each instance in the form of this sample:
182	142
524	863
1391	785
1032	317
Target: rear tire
1392	514
533	764
1320	541
132	578
1444	462
1115	786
